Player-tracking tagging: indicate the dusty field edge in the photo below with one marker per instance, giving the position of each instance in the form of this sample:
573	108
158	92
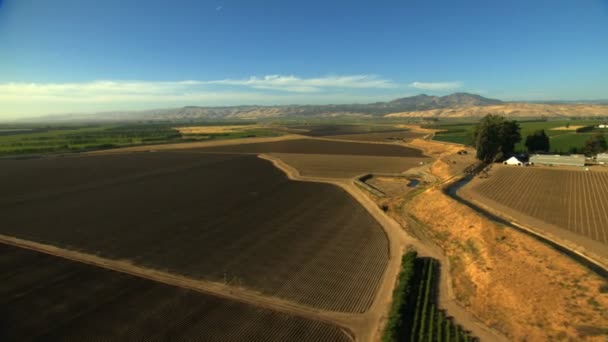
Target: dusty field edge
343	321
398	242
446	298
563	246
373	319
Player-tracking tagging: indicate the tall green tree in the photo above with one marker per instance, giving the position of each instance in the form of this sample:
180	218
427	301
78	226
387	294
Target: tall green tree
495	138
596	144
538	142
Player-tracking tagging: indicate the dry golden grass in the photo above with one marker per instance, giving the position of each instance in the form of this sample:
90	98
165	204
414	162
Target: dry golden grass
214	129
509	280
512	110
564	128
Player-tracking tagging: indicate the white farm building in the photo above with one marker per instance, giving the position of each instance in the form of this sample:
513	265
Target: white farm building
602	158
513	161
545	159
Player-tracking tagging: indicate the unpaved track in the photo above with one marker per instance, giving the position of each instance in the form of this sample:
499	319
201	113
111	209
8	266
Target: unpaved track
372	321
363	327
348	322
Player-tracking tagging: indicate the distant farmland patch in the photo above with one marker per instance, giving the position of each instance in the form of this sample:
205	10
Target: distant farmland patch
52	299
322	130
341	166
234	219
573	200
379	136
315	146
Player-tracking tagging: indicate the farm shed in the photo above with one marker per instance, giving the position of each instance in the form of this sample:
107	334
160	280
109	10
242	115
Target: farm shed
513	161
602	158
602	126
571	160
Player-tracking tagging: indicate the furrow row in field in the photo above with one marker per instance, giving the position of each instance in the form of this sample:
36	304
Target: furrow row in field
233	219
570	199
83	302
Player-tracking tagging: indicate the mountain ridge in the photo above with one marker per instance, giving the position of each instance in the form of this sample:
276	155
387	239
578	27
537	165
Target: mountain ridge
421	105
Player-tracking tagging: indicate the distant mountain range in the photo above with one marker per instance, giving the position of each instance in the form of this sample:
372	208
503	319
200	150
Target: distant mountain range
454	105
405	104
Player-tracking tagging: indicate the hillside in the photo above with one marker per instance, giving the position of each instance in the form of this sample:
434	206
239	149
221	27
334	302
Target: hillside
454	106
511	110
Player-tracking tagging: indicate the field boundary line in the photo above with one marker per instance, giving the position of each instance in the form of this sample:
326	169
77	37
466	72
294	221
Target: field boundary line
398	240
565	247
347	322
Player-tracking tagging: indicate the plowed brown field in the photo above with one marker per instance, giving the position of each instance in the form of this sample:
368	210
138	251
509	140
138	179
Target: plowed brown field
378	136
234	219
46	298
317	146
341	166
573	200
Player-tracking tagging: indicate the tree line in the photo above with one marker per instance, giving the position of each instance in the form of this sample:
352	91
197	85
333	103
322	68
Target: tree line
495	138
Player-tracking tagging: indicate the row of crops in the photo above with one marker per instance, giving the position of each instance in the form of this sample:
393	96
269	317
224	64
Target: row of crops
415	315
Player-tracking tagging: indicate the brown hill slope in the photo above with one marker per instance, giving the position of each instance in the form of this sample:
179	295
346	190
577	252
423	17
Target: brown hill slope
511	110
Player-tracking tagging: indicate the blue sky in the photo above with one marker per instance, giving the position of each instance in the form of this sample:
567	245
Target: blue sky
89	56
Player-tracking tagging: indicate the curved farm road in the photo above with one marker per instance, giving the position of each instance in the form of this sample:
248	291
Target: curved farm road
369	325
363	327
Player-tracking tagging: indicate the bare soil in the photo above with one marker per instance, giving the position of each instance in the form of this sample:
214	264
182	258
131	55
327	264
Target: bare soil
51	298
319	146
347	166
225	218
399	136
565	203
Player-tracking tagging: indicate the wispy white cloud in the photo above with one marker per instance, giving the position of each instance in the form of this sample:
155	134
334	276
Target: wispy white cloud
436	85
304	85
42	98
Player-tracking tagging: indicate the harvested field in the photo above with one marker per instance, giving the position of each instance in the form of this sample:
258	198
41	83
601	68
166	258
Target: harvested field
322	130
574	201
345	166
48	298
379	136
214	129
315	146
224	218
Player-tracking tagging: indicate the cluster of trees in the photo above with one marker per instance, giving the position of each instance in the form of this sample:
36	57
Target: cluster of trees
538	141
495	139
596	144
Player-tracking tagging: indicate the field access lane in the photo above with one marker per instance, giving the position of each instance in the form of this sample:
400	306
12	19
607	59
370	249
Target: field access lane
44	297
233	219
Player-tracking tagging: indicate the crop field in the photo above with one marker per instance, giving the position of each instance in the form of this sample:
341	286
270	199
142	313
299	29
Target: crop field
561	140
322	130
415	315
341	166
234	219
315	146
574	200
379	136
47	298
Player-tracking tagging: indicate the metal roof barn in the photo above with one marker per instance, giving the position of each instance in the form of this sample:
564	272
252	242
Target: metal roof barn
602	158
572	160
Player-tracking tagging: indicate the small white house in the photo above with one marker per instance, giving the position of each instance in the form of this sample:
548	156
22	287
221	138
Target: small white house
513	161
602	126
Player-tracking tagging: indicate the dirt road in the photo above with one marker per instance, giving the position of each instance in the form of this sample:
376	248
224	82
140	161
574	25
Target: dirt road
373	320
